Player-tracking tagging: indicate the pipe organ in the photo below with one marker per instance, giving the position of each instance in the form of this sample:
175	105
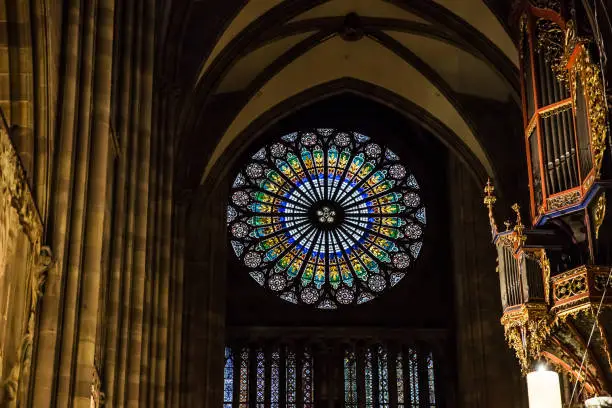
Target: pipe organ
564	114
554	270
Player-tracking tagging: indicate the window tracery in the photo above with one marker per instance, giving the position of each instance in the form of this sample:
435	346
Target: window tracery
371	387
326	218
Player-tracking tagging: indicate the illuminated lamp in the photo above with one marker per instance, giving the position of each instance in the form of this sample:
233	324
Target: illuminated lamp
544	389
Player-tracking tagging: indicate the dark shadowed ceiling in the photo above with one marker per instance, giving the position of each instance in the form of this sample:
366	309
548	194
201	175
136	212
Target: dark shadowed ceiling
242	65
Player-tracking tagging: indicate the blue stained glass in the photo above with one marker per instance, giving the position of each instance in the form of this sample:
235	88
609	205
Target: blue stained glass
361	138
350	380
261	378
369	380
365	297
239	181
413	378
228	376
411	182
275	380
420	215
325	207
390	155
383	378
291	137
307	380
231	214
291	379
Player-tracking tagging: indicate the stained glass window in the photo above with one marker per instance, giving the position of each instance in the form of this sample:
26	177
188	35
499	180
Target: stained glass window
431	380
326	217
275	380
228	379
244	378
291	379
350	380
298	365
307	374
399	375
383	378
413	378
369	380
261	378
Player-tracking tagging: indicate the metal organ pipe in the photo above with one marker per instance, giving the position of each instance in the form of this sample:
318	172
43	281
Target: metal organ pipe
551	132
545	131
568	134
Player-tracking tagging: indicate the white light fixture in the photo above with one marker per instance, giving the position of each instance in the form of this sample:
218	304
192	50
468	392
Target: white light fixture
598	402
544	389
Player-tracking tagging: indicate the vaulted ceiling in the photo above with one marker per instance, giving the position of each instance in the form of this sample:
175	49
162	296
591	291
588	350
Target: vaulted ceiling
432	59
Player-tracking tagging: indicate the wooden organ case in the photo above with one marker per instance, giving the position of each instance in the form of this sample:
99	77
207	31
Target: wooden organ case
554	272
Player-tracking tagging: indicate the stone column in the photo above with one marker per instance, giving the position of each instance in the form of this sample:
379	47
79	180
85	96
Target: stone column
96	198
488	374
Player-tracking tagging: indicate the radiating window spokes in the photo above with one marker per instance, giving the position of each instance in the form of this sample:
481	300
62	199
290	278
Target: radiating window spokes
326	217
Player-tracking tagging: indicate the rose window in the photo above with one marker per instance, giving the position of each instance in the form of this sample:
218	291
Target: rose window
326	217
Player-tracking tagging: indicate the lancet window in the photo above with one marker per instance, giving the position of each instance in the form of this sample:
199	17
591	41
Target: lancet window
287	377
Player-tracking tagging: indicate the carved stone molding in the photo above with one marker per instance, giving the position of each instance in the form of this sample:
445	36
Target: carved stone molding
14	187
15	191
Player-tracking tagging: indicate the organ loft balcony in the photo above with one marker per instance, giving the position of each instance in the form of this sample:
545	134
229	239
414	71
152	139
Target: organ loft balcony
556	299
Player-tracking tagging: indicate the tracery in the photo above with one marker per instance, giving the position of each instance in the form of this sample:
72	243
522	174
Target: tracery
326	217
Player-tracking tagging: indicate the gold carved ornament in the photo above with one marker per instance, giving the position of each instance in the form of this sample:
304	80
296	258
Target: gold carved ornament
590	78
489	202
526	330
599	213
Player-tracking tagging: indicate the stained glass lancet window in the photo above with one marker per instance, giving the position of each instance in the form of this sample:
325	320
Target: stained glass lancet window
261	378
275	380
291	379
326	217
383	378
413	378
244	378
399	370
374	367
431	380
228	379
307	380
350	380
369	380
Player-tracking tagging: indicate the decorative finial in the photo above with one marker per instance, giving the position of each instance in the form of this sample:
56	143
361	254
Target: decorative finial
519	228
489	201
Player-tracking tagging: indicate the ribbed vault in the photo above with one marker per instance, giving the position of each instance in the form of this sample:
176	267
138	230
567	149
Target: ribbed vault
433	55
